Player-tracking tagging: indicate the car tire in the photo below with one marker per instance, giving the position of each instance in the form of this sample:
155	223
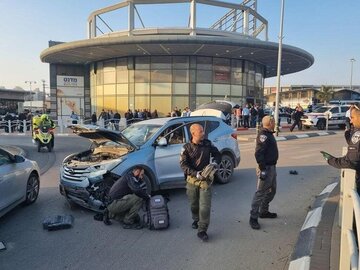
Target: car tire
321	125
226	169
306	127
148	184
38	146
32	189
49	147
342	126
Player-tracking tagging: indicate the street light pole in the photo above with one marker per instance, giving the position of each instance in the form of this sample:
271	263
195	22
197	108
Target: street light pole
279	68
44	107
30	83
352	60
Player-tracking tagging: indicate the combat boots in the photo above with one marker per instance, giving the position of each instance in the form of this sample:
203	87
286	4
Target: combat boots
268	215
254	223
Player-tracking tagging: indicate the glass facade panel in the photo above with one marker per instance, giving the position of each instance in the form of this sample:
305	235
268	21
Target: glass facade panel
180	88
109	89
99	90
142	102
204	76
237	90
202	99
142	62
161	89
142	76
99	104
204	63
181	62
161	76
162	104
180	101
142	89
110	103
122	89
180	75
221	89
161	62
203	89
122	104
122	75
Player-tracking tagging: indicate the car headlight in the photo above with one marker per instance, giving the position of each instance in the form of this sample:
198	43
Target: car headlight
97	174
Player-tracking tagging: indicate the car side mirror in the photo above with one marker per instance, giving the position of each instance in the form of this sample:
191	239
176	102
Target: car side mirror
162	142
19	159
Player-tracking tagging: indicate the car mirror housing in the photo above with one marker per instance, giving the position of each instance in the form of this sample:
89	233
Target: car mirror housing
19	159
162	142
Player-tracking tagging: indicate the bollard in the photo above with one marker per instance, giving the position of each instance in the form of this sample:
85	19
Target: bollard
9	126
24	126
327	121
61	126
257	128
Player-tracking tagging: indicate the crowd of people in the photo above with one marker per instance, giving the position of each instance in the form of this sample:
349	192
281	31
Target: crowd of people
248	115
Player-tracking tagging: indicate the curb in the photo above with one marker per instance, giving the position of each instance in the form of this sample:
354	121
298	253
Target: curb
291	137
314	242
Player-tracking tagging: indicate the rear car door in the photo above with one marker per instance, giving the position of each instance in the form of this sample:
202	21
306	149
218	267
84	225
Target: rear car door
10	177
167	157
335	116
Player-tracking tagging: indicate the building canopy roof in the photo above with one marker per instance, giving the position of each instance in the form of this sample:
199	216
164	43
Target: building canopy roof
157	42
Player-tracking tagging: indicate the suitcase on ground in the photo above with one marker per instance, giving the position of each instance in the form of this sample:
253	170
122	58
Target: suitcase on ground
158	213
58	222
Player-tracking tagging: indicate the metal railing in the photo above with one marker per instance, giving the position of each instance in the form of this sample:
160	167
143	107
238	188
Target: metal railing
349	208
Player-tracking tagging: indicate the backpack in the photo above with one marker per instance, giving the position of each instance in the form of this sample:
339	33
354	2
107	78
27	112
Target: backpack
157	213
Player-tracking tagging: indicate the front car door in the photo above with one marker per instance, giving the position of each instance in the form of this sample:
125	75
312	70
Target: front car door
335	116
10	191
167	157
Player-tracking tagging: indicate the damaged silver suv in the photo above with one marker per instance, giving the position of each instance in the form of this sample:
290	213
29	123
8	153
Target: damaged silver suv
153	144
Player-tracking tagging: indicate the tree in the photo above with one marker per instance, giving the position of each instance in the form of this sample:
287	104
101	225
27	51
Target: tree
325	94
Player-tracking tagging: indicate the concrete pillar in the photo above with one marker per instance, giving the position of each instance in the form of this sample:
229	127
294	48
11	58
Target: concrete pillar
131	18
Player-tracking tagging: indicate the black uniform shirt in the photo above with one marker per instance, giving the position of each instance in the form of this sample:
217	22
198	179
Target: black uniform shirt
266	151
195	157
128	184
352	159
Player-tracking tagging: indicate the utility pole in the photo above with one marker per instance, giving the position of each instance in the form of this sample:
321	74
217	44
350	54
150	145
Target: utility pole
30	83
352	60
277	122
44	96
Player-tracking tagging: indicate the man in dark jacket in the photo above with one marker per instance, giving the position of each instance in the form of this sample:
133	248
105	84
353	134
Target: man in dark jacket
117	118
298	113
127	196
266	154
352	158
194	157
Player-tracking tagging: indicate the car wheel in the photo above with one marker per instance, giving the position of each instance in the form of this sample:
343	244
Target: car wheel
49	147
32	189
342	126
321	125
226	169
147	183
307	127
38	146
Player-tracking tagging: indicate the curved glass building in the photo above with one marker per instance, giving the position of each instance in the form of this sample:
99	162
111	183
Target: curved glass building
165	67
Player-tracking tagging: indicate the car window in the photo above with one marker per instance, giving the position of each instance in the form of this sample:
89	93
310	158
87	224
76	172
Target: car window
140	133
211	126
4	158
321	109
334	110
173	134
344	109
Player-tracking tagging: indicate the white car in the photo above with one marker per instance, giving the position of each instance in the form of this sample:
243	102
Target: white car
335	115
19	180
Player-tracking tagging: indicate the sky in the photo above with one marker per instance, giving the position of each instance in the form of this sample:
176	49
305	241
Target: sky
328	29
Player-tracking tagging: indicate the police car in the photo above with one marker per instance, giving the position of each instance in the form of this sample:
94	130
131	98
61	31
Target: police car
336	115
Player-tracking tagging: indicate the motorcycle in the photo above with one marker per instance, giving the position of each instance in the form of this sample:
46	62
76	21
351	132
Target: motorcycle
44	137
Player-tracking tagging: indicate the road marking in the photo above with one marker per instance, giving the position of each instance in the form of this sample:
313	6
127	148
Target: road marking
302	263
323	133
302	136
329	188
312	219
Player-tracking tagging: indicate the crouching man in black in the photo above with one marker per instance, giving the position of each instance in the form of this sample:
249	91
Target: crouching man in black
127	196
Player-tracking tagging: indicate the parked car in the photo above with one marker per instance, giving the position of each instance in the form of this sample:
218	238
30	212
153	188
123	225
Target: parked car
153	144
19	181
317	118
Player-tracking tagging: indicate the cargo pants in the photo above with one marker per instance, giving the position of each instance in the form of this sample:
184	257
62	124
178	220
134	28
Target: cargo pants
265	192
126	209
199	196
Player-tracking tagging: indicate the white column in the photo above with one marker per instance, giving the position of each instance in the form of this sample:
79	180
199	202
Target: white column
246	22
193	17
131	18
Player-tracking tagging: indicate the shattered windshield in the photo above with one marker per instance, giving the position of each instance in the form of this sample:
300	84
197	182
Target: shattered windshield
140	133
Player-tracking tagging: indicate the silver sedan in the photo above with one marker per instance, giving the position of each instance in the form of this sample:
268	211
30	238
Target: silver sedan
19	180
